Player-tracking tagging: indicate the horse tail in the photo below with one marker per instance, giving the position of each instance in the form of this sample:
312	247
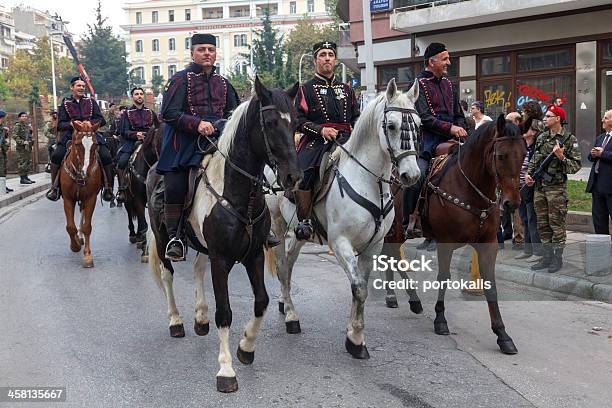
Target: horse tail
271	261
154	260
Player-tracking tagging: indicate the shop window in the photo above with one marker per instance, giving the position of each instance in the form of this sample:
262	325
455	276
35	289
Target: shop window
498	65
545	90
606	51
544	60
497	98
404	75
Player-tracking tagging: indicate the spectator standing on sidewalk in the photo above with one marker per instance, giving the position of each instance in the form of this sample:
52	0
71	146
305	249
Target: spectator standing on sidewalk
22	133
532	251
477	111
4	146
600	179
550	195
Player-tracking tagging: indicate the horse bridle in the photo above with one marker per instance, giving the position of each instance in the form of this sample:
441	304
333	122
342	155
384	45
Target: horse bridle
408	128
78	175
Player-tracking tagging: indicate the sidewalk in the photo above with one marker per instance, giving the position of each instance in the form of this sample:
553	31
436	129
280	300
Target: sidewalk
21	191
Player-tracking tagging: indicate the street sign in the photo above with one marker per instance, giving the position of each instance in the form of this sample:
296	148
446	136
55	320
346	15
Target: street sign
354	83
377	6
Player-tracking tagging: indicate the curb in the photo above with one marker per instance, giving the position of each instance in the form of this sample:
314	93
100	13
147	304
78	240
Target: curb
23	192
556	283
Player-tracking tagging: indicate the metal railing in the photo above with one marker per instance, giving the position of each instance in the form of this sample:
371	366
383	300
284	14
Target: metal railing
418	4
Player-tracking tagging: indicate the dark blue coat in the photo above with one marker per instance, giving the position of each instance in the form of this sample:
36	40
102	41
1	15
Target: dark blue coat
604	177
134	120
85	109
192	96
439	109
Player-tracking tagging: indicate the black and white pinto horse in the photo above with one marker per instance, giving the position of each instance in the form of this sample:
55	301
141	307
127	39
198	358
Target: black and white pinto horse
230	220
144	157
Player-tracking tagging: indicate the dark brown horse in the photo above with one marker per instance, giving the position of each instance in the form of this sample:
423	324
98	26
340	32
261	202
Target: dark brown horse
461	208
144	157
80	178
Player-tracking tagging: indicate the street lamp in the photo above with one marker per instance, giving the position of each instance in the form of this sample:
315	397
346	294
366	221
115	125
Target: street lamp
300	66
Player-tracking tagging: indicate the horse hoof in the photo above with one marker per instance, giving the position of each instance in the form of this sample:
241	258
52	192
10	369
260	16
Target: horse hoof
88	263
293	327
227	384
177	331
133	239
245	357
201	329
359	352
415	306
507	346
82	241
281	307
391	303
441	328
75	248
144	259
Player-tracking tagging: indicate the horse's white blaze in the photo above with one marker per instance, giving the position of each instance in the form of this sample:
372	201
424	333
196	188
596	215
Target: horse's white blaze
286	116
250	333
87	143
225	356
199	269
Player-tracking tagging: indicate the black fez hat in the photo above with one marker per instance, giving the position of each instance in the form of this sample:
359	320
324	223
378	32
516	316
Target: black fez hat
203	39
323	45
434	49
77	78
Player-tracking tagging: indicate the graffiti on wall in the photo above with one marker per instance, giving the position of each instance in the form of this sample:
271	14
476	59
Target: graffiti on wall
532	93
497	98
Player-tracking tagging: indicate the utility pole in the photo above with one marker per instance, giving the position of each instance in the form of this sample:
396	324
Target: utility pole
53	72
370	82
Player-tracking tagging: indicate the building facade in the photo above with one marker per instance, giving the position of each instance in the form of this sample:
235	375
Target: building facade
7	37
158	32
503	53
32	23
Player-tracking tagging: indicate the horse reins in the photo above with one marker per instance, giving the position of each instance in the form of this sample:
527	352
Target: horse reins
79	176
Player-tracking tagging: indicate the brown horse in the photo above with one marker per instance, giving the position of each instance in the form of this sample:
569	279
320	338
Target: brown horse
81	180
460	208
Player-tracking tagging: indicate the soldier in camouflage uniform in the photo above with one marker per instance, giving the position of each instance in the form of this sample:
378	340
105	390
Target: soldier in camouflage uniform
4	146
22	133
50	132
550	195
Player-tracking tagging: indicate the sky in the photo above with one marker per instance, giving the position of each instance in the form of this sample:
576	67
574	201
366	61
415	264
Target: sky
79	16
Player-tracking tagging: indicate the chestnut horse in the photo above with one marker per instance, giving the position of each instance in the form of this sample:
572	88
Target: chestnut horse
460	208
80	181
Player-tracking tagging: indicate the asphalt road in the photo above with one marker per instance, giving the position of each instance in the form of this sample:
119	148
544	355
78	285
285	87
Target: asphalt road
102	333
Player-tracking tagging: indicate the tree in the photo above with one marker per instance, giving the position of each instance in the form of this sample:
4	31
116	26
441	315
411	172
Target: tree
268	52
104	58
241	82
4	88
157	84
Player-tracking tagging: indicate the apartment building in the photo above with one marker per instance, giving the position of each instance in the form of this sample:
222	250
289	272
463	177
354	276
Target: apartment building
504	53
158	32
7	37
33	23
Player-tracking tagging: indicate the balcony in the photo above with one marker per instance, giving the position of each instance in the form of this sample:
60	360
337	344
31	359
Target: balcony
212	13
419	16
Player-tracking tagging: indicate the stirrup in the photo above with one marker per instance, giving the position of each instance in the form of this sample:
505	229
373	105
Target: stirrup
172	256
53	194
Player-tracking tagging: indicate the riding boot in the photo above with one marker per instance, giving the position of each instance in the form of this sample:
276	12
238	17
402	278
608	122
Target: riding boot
107	194
54	193
272	240
546	260
122	187
413	229
556	261
303	199
175	249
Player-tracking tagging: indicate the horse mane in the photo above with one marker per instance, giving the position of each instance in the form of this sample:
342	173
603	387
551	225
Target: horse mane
363	125
232	127
148	141
248	110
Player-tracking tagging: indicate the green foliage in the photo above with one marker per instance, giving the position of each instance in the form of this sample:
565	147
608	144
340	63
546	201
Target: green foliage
157	84
4	88
242	84
578	199
104	58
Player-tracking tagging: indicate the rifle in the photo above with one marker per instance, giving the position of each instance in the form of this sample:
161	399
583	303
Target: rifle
541	172
79	65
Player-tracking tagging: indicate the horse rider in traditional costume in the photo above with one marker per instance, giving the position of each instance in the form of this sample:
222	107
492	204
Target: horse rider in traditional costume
196	101
327	111
442	119
79	107
134	124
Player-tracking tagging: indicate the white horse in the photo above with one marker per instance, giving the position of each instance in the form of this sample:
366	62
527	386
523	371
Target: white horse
386	134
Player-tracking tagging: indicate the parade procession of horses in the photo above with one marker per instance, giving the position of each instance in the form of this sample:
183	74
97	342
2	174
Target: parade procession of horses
253	181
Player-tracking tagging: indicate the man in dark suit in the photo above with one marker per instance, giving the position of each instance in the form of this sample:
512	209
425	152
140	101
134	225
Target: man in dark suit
600	180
